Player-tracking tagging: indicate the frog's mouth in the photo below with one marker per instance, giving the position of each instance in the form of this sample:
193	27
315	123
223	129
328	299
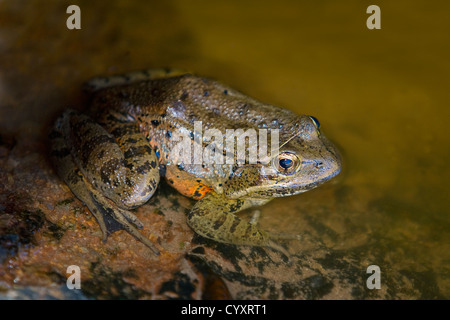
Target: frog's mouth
285	188
296	188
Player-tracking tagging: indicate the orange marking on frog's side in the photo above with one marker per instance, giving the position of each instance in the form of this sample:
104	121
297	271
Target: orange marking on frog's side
188	187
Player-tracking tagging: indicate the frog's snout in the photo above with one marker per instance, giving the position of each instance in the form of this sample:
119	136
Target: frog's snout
331	165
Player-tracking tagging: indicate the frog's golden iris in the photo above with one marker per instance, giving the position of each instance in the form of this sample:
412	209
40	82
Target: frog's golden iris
287	163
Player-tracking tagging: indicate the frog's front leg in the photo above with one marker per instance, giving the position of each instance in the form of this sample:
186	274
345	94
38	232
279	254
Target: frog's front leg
110	172
214	217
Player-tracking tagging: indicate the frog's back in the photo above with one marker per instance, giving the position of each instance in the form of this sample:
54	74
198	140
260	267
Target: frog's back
170	105
188	98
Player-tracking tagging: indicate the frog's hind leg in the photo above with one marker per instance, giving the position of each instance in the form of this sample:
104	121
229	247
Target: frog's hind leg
213	217
110	217
98	83
68	171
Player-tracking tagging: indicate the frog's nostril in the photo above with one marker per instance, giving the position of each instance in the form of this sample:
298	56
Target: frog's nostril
318	164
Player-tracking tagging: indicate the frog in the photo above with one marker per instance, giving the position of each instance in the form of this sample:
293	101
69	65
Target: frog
113	155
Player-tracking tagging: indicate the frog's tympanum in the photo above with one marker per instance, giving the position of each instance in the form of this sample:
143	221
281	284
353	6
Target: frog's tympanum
113	157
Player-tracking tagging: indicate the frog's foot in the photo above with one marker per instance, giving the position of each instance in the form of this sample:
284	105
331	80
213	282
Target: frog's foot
112	218
213	217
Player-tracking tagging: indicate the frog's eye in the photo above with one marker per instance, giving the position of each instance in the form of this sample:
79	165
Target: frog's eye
315	121
286	163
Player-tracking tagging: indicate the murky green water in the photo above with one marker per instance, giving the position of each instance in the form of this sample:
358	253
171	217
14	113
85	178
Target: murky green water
381	95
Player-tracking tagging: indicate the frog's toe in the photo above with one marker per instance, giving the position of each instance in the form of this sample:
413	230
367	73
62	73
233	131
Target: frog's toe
131	229
132	218
111	218
107	224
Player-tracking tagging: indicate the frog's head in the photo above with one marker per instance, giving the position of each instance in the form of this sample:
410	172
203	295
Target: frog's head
306	159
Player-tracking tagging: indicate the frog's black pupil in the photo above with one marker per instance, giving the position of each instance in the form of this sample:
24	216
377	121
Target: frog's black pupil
316	122
286	163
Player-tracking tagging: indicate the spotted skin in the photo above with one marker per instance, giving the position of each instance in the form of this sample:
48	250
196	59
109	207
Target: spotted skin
78	163
113	156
